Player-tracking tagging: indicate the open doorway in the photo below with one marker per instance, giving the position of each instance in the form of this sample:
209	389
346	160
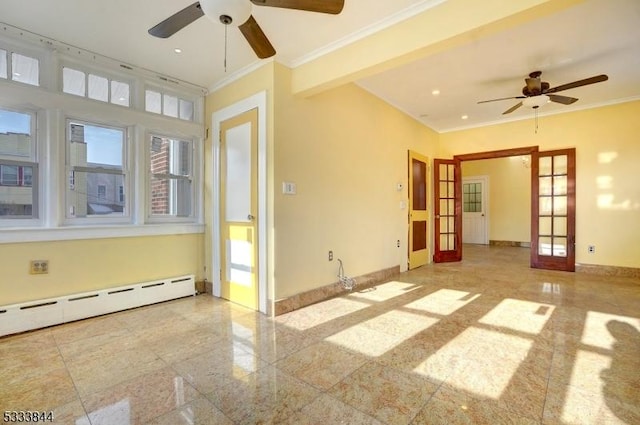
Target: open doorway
552	206
496	201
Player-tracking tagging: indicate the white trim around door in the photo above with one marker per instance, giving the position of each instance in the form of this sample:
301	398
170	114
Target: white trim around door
259	101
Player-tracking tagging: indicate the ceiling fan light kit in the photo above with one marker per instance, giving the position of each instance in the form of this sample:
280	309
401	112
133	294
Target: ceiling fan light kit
233	13
536	101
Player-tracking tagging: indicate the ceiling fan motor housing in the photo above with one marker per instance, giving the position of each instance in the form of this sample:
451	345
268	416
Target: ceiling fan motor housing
229	12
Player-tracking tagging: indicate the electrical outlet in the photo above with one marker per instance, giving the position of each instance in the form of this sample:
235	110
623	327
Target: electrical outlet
398	243
591	249
39	267
330	255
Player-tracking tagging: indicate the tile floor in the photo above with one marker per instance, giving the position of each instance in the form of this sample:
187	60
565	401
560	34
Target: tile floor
485	341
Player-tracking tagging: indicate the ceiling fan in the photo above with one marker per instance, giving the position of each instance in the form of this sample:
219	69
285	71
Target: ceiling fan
238	13
537	92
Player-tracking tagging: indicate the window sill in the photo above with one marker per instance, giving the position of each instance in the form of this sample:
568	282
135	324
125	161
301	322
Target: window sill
40	234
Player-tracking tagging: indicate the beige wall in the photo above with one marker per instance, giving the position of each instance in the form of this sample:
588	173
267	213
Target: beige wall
607	190
85	265
346	150
509	200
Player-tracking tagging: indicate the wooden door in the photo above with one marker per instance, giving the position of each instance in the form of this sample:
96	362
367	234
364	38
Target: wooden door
447	209
553	204
418	213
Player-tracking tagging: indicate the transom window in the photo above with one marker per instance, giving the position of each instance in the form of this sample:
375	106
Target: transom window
20	68
169	105
95	87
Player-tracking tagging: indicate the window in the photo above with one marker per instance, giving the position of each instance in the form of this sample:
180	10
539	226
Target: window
121	194
3	63
171	168
472	193
18	166
169	105
25	69
95	159
94	87
8	175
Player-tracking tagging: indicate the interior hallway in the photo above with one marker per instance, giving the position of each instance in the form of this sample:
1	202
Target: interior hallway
487	340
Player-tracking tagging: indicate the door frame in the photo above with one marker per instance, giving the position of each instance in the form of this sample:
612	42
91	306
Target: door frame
257	101
458	159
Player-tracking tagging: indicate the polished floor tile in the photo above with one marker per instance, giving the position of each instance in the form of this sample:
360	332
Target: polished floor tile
484	341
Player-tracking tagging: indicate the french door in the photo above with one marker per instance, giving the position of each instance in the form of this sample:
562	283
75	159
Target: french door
553	209
447	210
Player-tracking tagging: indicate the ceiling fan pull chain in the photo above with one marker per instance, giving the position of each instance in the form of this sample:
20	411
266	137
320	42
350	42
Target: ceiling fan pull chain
536	115
225	48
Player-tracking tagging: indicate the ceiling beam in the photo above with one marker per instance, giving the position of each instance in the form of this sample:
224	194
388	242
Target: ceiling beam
449	24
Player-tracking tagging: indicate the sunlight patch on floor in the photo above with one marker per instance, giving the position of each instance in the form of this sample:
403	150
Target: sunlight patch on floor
443	301
519	315
600	329
478	361
376	336
582	400
323	312
385	291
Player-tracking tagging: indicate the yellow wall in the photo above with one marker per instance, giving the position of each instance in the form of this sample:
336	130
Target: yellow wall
509	198
607	172
85	265
346	150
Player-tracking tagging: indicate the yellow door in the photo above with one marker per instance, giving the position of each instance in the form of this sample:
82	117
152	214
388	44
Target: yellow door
238	209
418	214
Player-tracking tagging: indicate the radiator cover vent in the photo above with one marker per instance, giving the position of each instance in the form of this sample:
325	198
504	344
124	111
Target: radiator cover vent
53	311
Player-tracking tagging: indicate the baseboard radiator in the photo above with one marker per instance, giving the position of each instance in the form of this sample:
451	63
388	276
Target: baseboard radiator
53	311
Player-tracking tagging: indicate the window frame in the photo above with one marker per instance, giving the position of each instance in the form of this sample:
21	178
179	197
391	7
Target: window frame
193	177
50	108
26	161
126	172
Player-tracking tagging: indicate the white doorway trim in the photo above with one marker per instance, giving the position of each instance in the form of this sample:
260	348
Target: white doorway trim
259	101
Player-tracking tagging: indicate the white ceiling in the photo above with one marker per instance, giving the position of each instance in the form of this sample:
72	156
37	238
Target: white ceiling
596	37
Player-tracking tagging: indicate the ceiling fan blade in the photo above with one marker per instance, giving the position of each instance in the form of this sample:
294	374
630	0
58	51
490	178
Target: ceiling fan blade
333	7
176	22
256	38
513	108
502	98
565	100
579	83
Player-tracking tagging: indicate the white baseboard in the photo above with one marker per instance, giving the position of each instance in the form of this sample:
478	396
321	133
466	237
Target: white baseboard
53	311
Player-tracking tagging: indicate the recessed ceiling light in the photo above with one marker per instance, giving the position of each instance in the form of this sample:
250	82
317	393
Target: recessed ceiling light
435	92
464	117
177	50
